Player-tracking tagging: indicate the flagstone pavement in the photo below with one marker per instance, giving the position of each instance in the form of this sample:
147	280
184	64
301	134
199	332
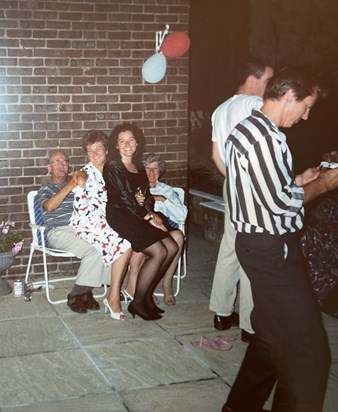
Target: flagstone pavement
52	359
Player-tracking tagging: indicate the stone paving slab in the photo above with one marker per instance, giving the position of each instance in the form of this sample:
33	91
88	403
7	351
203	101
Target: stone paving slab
102	403
188	318
201	396
222	358
12	307
34	335
48	377
331	326
147	363
331	398
97	326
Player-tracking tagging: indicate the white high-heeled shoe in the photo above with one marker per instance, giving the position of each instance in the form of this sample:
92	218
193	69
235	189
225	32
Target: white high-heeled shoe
113	315
127	298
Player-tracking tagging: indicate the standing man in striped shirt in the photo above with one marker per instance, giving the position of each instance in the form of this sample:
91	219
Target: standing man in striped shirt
266	201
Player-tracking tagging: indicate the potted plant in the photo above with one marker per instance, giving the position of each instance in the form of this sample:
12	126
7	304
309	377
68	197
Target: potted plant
11	243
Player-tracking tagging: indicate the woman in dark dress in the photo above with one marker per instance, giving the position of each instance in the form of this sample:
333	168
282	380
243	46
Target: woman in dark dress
319	243
130	211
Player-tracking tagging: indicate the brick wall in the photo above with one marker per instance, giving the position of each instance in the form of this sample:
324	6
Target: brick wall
70	66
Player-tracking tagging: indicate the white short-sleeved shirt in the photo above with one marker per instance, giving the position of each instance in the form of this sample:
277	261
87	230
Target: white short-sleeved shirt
228	115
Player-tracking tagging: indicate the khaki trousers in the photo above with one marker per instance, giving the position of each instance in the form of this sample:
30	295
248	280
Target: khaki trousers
229	275
92	271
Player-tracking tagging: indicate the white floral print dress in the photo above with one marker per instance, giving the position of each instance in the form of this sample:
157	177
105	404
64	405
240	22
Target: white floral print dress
89	217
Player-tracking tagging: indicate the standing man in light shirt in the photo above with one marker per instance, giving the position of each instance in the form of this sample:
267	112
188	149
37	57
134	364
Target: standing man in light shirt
228	273
290	350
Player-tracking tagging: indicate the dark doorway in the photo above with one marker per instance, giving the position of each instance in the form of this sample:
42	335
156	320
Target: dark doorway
219	30
222	31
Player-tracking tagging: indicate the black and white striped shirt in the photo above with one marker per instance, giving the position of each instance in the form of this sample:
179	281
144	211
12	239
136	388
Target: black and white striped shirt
263	197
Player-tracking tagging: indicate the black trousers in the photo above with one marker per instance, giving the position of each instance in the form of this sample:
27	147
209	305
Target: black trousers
290	348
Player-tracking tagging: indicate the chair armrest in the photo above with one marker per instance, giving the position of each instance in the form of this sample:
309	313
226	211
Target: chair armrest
38	227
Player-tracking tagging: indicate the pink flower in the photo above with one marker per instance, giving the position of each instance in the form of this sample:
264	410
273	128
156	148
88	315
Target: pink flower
17	247
10	239
5	230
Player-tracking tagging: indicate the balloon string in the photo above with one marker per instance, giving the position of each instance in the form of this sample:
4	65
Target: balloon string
160	35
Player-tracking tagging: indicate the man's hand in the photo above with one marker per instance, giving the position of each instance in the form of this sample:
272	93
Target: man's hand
326	181
307	176
79	178
329	177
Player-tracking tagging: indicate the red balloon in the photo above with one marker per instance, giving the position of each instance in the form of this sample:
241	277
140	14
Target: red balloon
175	44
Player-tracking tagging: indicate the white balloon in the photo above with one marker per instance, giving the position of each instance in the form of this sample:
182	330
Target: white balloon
154	68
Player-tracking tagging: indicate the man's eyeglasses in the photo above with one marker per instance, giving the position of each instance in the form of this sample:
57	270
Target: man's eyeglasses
60	162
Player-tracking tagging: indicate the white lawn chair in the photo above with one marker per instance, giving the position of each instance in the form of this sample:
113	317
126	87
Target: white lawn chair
40	244
181	270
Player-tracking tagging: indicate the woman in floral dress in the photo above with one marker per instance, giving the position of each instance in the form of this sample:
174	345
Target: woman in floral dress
89	219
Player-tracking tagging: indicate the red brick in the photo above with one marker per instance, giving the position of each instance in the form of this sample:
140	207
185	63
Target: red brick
70	66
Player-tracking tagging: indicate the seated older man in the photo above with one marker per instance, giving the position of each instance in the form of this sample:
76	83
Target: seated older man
56	200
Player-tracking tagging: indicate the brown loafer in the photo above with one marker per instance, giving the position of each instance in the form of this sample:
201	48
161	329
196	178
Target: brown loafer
76	304
226	322
89	301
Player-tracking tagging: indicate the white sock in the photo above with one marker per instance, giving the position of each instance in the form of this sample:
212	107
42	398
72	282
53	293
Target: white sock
223	314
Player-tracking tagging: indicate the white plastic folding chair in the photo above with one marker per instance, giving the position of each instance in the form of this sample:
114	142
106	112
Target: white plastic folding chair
40	244
181	270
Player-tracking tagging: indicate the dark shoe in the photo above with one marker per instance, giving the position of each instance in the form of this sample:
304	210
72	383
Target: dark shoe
76	304
246	336
226	322
89	301
142	313
154	308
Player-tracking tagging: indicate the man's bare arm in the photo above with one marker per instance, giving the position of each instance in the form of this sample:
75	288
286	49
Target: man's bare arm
217	160
307	176
55	201
326	181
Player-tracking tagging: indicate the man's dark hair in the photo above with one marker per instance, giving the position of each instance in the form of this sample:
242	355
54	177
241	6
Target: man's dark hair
303	80
252	67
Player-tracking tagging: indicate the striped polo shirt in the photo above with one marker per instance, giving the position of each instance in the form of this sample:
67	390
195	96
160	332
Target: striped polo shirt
61	215
263	197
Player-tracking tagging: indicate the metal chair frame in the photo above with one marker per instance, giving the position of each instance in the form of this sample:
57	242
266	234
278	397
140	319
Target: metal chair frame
40	246
181	271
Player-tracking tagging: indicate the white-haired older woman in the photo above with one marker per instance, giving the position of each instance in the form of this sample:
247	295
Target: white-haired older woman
171	209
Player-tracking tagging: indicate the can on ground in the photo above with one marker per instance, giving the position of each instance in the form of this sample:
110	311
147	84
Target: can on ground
18	288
